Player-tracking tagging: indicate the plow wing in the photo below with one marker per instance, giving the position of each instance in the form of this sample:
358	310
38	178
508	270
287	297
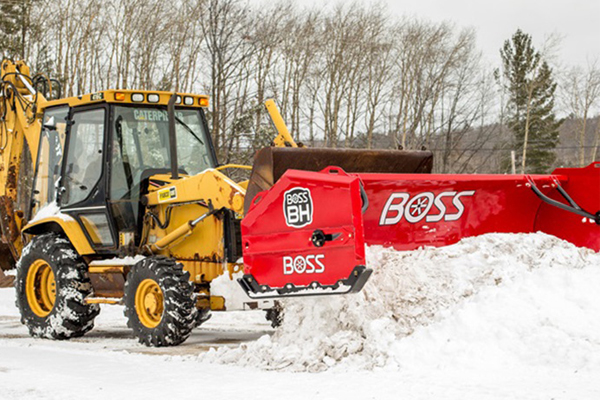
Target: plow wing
305	236
407	211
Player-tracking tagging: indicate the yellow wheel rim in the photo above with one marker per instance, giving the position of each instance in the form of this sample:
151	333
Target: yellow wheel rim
40	288
149	303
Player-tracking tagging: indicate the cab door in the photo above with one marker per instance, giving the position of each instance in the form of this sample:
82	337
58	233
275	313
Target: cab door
83	186
49	162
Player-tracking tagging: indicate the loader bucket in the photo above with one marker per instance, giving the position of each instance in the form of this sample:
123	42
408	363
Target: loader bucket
271	163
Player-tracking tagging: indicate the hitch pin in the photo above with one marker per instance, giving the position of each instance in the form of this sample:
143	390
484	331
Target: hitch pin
319	237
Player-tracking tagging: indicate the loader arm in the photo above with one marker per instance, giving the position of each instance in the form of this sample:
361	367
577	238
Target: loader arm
20	127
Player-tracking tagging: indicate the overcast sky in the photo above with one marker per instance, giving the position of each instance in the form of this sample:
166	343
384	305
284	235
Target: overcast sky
577	21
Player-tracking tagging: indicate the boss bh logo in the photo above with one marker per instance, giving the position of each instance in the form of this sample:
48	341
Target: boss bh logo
297	207
311	264
423	206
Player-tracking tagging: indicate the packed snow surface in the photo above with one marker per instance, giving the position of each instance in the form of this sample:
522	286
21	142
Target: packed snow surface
498	299
494	317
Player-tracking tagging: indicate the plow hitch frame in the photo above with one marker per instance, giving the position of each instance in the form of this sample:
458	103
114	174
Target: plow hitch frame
572	207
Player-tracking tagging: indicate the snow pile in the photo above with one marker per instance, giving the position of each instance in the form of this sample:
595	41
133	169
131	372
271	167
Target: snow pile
529	299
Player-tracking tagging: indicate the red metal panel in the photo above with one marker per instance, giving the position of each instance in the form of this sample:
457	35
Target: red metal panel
277	230
408	210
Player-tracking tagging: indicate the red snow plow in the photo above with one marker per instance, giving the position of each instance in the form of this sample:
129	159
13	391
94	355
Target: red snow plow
305	232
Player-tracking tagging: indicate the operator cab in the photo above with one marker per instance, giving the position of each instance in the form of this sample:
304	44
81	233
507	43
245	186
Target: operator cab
96	160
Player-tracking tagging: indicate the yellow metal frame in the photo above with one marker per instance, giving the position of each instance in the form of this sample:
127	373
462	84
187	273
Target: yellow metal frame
109	96
71	229
98	300
237	166
284	138
20	128
208	185
206	271
106	269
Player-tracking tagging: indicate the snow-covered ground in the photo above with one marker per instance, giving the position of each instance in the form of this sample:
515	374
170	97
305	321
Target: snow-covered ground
493	317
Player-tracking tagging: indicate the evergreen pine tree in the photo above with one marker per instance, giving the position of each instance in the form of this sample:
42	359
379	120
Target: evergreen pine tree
530	85
9	29
15	25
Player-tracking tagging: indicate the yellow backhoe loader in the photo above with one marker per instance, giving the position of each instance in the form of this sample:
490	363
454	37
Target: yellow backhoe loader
117	197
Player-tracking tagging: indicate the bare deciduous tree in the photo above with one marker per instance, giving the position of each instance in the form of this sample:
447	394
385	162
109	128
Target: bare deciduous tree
581	93
344	75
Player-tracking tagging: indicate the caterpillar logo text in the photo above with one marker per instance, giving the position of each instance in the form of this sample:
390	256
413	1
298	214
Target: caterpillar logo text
311	264
424	205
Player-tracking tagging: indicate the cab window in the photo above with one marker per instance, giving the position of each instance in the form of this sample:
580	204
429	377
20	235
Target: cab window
84	158
193	154
141	143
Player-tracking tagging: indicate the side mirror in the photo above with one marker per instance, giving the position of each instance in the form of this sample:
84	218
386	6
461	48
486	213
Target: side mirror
50	124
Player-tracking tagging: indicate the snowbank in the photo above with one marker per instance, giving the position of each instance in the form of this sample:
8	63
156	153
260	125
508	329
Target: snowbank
499	299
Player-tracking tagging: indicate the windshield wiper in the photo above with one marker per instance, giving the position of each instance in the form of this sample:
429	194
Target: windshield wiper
189	130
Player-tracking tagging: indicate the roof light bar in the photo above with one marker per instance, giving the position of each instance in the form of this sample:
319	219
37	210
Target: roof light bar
137	97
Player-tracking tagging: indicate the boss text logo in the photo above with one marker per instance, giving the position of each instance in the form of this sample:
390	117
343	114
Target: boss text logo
423	205
311	264
297	207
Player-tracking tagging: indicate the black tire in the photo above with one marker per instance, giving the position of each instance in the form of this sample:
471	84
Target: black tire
178	314
203	316
69	316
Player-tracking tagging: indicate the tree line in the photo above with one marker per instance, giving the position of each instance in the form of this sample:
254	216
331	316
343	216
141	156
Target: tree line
345	75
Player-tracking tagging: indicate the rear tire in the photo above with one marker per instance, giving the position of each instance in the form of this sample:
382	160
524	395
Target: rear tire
52	284
160	304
